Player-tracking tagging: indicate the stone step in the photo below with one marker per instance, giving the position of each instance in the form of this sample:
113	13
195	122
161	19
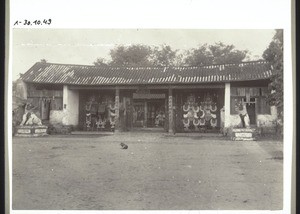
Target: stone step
243	139
243	134
251	130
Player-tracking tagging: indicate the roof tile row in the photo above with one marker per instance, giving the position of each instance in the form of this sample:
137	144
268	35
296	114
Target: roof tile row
92	75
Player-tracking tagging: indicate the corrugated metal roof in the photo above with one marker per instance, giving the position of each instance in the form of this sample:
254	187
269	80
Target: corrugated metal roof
92	75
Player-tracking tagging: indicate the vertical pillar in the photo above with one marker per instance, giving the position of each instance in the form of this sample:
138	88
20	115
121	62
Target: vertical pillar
145	114
65	105
227	105
117	111
65	96
171	114
73	107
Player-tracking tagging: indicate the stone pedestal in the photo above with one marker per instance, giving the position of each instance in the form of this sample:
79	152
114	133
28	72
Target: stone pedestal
31	131
243	134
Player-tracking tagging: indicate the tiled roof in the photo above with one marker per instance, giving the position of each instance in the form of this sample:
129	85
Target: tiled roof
91	75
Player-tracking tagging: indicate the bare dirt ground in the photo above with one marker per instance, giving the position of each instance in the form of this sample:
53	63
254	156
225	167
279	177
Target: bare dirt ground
156	172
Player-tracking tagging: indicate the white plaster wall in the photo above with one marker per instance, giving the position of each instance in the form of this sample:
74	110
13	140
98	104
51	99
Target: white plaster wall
227	116
234	120
264	120
267	120
73	107
56	116
70	112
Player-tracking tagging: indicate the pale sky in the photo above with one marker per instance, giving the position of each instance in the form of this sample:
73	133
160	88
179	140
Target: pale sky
84	46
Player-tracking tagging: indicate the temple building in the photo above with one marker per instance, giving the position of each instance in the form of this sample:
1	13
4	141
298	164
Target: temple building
173	99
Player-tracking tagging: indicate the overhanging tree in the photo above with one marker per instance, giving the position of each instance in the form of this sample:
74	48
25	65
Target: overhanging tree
274	55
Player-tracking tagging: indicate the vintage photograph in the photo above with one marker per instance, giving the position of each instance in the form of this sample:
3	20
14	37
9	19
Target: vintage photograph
147	119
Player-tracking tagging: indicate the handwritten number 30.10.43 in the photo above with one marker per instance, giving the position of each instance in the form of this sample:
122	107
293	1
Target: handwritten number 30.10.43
35	22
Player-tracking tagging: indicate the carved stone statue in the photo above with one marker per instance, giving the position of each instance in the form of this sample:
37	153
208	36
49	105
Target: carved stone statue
242	111
29	118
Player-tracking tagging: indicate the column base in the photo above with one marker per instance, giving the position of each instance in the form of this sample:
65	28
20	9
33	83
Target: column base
243	134
31	131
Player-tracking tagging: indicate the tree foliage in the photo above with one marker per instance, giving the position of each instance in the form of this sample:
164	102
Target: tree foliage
140	55
134	55
101	62
218	53
198	56
274	55
164	55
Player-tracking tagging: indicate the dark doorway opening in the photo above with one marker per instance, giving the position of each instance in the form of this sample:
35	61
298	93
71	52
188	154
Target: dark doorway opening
156	113
45	110
139	114
252	113
149	113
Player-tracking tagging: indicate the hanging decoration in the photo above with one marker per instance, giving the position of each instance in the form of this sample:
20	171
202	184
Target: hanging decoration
99	111
213	107
112	115
196	122
159	119
88	120
209	109
199	115
190	115
202	121
186	124
100	123
88	106
112	122
213	122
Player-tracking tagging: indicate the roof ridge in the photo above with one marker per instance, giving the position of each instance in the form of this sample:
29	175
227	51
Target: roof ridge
109	66
161	67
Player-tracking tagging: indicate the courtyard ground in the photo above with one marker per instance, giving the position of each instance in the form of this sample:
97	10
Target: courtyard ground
156	172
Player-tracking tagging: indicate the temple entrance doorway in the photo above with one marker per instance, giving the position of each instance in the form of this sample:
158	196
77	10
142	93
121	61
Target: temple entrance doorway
45	109
149	113
156	113
251	110
138	114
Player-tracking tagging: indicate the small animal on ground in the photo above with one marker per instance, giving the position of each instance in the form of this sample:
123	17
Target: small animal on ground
124	146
